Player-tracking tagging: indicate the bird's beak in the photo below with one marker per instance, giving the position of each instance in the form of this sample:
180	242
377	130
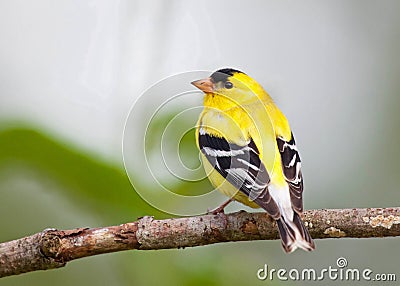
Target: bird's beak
205	85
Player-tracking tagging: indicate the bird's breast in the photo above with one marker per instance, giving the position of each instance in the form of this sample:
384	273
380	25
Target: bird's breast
226	125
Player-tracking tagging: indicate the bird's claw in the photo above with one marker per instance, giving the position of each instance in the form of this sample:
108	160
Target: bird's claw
220	209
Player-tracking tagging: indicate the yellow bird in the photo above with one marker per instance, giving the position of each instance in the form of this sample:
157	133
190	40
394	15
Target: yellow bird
249	152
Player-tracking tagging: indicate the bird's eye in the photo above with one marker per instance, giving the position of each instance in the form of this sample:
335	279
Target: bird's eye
228	85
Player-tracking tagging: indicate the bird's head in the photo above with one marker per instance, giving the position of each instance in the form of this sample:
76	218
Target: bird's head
232	84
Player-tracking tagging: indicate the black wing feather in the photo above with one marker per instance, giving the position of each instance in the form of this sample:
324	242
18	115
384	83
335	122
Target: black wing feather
292	170
241	166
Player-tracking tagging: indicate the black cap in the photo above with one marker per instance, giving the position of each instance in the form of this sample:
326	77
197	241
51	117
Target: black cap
223	74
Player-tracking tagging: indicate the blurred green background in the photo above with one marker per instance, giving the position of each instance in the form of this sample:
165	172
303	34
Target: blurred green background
71	70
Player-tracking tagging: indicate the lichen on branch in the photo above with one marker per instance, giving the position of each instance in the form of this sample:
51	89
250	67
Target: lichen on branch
53	248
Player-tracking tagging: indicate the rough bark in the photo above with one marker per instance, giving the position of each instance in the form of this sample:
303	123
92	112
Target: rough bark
53	248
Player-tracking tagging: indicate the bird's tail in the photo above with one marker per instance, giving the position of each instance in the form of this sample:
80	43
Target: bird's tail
294	234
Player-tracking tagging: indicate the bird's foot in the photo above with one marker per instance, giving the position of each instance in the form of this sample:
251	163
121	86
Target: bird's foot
220	209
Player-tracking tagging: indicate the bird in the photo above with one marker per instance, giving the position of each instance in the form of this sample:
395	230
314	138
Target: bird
249	152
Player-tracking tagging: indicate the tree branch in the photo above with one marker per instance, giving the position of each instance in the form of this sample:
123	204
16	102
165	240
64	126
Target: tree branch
53	248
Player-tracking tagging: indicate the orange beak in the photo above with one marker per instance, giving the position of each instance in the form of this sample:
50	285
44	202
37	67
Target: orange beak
205	85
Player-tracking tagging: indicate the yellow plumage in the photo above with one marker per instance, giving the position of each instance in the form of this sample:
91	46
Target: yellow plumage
241	123
237	117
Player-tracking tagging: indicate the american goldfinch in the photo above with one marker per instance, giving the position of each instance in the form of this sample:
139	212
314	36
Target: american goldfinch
249	152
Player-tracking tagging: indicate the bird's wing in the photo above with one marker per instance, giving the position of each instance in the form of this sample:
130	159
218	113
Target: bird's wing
241	166
291	165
